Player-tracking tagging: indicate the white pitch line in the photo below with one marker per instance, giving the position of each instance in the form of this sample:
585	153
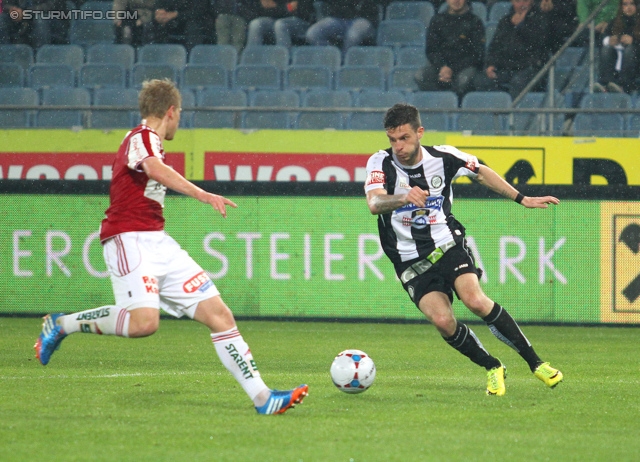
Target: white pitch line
107	376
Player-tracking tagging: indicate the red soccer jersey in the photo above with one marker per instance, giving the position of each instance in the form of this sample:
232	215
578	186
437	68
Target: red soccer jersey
136	200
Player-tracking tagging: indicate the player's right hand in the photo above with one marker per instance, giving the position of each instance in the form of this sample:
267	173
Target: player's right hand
417	196
220	203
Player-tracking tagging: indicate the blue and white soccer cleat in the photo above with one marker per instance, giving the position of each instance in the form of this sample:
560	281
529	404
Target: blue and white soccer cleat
280	401
50	338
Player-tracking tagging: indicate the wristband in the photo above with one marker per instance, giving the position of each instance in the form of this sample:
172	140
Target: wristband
519	198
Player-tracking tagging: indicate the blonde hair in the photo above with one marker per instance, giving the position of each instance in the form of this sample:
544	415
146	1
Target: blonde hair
157	96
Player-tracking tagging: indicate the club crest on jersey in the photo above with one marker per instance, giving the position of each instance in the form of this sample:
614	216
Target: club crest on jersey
436	182
200	281
375	177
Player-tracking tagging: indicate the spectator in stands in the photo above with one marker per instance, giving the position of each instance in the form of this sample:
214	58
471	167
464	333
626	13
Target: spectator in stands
562	21
232	17
619	53
34	31
353	23
279	23
131	31
455	50
515	53
179	21
602	19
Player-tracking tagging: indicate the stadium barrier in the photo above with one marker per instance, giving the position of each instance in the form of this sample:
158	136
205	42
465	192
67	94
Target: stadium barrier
311	251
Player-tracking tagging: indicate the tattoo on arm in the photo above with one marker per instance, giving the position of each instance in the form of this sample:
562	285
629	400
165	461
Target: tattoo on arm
383	203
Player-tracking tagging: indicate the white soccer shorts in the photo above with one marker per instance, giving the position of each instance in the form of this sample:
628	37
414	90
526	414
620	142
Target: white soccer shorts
149	269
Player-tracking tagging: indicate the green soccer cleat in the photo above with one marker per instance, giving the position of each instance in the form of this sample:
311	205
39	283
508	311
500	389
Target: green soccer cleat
550	376
495	381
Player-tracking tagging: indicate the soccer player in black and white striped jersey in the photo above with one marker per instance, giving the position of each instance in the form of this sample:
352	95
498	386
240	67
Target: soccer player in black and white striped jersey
409	188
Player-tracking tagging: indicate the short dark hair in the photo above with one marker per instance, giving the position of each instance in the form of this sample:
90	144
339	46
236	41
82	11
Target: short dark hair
401	114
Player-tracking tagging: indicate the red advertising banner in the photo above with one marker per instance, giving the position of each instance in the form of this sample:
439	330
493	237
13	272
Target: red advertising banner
67	165
233	166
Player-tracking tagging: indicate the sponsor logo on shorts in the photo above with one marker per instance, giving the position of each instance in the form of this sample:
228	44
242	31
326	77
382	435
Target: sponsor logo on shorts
200	281
458	268
150	284
375	177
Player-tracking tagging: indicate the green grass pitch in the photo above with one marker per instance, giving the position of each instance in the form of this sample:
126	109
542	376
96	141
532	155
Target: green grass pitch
167	397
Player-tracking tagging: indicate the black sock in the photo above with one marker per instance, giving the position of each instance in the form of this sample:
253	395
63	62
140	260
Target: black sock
505	328
466	342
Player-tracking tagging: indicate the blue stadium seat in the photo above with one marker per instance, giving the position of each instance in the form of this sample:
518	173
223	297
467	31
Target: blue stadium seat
73	55
435	121
311	55
525	123
94	76
188	104
199	76
411	56
606	101
144	71
18	96
403	78
274	55
399	33
118	117
420	10
480	10
62	118
484	122
213	97
97	5
370	56
11	75
489	32
165	53
498	11
360	120
320	120
598	125
572	57
17	54
304	78
356	78
87	32
51	75
110	53
251	77
222	55
271	119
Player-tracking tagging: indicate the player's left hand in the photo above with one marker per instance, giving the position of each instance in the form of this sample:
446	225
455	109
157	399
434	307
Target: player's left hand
539	202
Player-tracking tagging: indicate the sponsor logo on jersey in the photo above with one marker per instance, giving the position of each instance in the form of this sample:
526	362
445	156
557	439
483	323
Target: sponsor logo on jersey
415	175
436	181
200	281
432	203
403	185
472	164
375	177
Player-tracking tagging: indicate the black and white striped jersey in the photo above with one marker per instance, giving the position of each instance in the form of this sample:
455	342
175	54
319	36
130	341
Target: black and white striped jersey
411	232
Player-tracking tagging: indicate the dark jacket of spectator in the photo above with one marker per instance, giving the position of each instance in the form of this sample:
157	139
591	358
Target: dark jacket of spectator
515	48
456	41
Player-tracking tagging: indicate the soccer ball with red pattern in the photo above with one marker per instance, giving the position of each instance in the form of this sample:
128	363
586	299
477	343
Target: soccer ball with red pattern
353	371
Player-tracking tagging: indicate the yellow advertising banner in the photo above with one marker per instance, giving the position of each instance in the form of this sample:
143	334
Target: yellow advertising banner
620	262
530	160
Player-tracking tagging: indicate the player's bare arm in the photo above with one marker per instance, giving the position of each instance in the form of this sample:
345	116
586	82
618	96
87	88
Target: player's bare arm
163	174
380	202
487	177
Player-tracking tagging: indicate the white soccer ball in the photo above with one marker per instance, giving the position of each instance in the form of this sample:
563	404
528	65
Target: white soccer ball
353	371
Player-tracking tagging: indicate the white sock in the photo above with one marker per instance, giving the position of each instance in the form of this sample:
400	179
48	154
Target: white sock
236	356
105	320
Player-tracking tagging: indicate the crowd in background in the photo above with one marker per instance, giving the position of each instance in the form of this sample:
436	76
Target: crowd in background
458	59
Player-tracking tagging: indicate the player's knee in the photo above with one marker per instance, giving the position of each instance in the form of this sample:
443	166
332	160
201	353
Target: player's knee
142	324
477	303
444	322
